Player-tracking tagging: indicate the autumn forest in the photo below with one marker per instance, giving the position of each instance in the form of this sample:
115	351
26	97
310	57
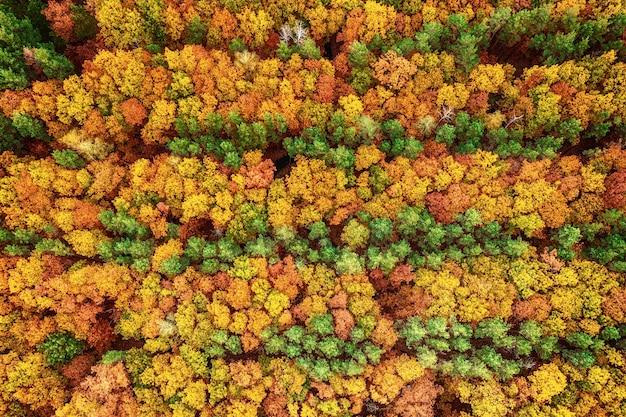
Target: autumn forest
315	208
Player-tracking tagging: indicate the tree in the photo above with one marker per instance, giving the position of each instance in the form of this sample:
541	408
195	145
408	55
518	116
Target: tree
24	56
68	158
358	55
417	399
355	234
546	382
60	348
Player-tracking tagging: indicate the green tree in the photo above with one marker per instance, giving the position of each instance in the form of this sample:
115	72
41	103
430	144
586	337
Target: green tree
358	55
68	158
60	348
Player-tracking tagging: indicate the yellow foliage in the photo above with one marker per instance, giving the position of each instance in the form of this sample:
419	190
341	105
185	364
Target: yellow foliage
165	251
529	224
351	106
487	78
238	323
160	119
486	398
120	26
485	294
593	182
442	286
254	26
257	321
276	302
366	156
454	96
451	172
324	21
289	377
31	382
86	242
174	23
131	324
197	205
598	378
194	395
220	314
25	278
385	383
349	386
408	368
546	382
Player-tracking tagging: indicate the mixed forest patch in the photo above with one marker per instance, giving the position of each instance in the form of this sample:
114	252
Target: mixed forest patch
325	208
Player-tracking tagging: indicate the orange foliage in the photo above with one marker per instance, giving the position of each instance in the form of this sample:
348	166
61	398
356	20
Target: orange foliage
536	308
350	33
325	89
344	322
134	112
107	393
615	305
615	194
285	277
417	399
60	17
394	71
404	302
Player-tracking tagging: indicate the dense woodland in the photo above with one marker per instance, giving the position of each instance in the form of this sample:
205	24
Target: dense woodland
316	208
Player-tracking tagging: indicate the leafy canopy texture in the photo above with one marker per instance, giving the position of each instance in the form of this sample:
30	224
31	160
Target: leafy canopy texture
312	209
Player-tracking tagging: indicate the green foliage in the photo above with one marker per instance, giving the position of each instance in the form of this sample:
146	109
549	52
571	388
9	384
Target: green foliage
412	220
10	140
412	330
358	55
570	130
85	24
437	327
53	64
24	28
68	158
136	253
322	324
295	333
29	127
195	248
262	246
237	45
531	331
372	352
174	265
568	235
494	328
53	246
546	347
320	370
342	157
228	250
318	230
580	358
123	224
196	31
331	347
60	348
580	340
348	262
113	356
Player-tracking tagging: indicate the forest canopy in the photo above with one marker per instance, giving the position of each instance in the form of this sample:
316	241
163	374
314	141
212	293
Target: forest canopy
325	208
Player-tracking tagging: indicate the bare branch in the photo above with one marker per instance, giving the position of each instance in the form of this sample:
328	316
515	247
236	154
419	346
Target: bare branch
446	114
514	120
